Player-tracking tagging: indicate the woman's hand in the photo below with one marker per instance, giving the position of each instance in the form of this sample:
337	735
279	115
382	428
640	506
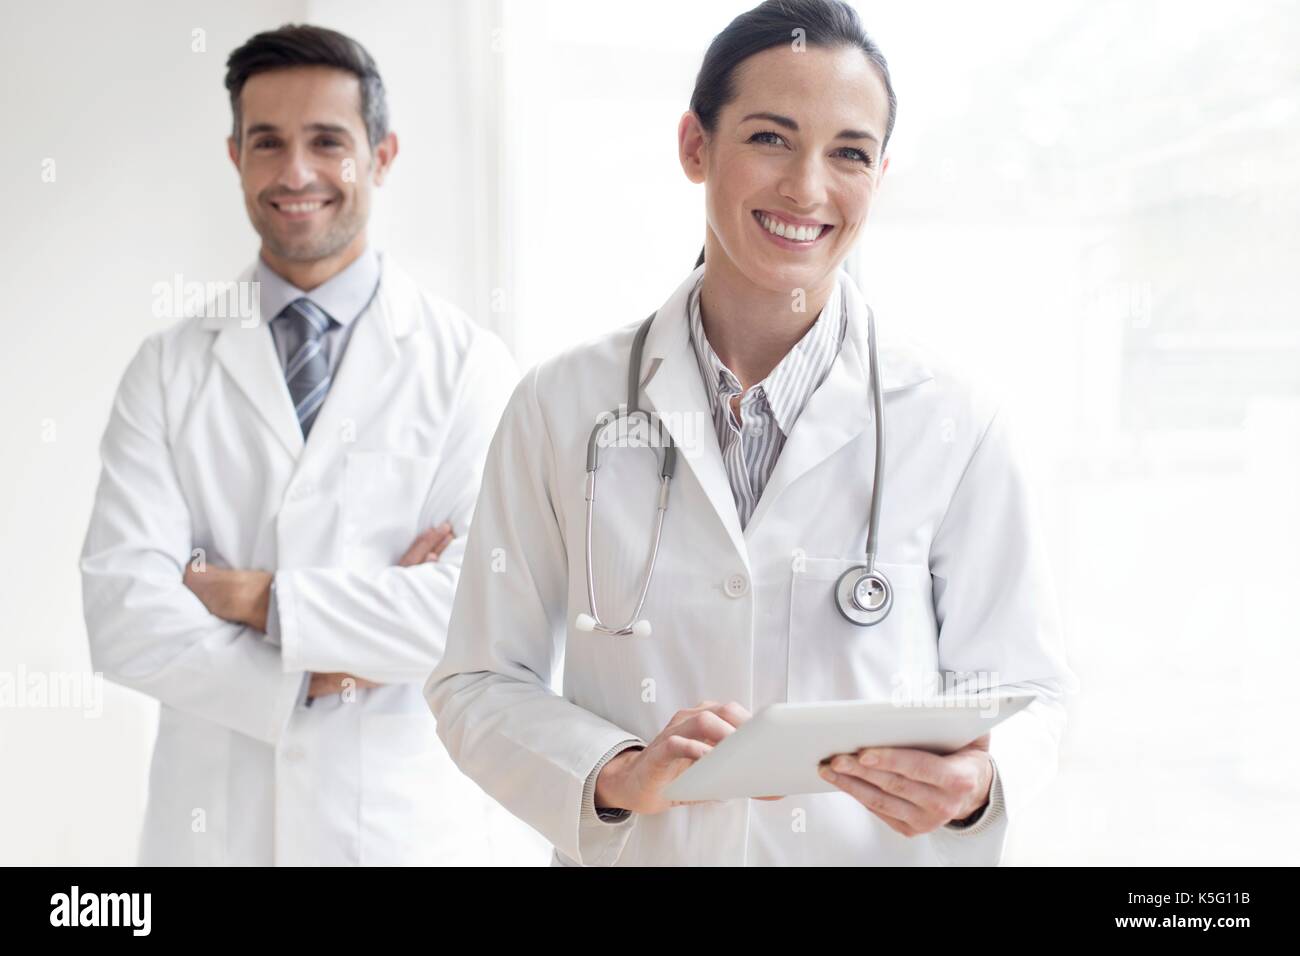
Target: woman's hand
635	779
912	790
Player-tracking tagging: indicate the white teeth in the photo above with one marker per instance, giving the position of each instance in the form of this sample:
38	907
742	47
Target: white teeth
301	206
794	233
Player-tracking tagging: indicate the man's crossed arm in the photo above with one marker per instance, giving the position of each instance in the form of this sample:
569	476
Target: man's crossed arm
244	597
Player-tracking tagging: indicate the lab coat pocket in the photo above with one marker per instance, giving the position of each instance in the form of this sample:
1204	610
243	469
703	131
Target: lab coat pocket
831	658
383	502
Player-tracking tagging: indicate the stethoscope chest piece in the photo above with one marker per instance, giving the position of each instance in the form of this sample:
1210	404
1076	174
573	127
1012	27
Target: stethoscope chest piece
864	595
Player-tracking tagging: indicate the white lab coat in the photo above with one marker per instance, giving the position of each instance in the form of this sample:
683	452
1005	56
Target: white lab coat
203	451
746	616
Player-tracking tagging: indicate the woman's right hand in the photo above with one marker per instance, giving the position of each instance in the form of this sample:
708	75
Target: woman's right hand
635	779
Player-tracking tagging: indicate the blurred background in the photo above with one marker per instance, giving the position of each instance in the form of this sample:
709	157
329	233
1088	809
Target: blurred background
1091	206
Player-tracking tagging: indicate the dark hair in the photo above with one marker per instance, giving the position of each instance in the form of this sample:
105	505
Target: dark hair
824	23
297	44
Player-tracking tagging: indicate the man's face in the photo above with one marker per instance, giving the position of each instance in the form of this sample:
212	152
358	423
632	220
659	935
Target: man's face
305	162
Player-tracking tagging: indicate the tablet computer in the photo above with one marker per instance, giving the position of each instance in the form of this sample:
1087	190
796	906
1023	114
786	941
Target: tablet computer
778	751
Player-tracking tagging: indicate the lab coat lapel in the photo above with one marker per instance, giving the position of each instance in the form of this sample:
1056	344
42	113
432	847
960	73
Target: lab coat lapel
672	384
246	351
841	409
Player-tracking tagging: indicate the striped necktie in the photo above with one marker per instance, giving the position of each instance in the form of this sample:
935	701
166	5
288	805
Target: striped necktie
308	371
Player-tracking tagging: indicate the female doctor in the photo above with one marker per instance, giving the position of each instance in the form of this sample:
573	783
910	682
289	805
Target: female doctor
758	368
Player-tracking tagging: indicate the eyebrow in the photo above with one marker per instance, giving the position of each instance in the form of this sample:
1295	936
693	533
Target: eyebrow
312	127
791	125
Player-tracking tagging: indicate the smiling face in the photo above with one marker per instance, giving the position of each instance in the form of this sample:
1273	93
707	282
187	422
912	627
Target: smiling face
793	165
305	162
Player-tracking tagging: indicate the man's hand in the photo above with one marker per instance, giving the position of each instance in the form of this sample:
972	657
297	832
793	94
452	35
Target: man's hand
915	791
635	779
238	596
322	685
427	546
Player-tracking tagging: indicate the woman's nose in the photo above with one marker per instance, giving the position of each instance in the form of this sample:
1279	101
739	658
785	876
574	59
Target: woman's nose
804	182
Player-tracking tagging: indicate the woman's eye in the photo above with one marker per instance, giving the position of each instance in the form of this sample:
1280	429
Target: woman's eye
857	155
766	136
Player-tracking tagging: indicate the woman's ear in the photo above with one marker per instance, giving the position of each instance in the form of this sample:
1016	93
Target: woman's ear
691	143
884	167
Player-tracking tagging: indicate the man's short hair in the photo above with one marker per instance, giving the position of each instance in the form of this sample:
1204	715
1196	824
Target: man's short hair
297	44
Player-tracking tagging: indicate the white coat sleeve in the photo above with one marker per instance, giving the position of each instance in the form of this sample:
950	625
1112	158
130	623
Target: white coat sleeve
147	630
1000	627
389	625
527	747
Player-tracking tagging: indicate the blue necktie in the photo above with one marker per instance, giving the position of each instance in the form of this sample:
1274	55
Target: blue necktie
308	371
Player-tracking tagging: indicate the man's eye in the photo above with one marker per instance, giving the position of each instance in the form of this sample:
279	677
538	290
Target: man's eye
266	144
328	141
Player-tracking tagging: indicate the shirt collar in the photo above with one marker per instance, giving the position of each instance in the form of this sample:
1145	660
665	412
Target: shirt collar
789	386
342	297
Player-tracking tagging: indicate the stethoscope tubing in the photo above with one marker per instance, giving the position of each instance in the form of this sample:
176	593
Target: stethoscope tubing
843	594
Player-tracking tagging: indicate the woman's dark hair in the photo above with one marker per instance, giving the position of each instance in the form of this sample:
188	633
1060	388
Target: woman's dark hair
820	23
305	45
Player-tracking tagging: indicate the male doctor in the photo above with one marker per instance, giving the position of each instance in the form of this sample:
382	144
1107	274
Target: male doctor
279	524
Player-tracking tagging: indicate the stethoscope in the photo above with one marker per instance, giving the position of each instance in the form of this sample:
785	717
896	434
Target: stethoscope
862	593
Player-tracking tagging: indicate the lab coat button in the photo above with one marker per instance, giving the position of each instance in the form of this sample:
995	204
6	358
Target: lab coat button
294	755
736	586
303	490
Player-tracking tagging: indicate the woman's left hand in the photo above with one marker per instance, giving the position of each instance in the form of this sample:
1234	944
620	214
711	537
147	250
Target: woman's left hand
915	791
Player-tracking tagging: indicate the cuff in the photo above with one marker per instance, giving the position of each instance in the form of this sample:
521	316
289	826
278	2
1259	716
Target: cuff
288	632
602	834
303	700
273	617
592	815
292	690
989	815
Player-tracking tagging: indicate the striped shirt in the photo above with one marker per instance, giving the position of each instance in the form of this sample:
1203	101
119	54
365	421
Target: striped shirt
770	408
